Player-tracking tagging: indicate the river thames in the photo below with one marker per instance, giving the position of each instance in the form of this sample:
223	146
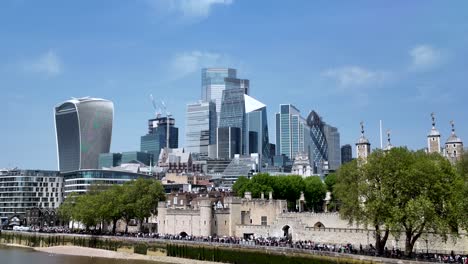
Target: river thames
15	255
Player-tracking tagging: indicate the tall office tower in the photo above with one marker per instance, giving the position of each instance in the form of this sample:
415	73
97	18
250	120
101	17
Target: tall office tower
228	142
292	132
319	138
233	113
257	127
156	139
433	138
83	130
346	154
334	150
363	147
200	128
453	146
216	80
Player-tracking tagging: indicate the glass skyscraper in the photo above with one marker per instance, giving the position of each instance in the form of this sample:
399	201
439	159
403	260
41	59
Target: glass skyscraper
334	150
257	126
200	127
156	138
233	113
346	154
319	139
83	131
228	142
215	81
292	132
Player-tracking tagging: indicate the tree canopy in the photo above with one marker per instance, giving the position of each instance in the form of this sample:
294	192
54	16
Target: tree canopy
284	187
136	199
401	191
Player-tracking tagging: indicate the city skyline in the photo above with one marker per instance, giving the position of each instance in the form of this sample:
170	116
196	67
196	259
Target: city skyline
379	61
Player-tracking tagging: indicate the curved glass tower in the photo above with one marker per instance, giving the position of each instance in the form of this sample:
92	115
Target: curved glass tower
317	133
83	130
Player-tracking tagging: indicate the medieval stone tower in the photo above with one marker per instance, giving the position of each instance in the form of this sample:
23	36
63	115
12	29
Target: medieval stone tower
433	138
453	146
363	147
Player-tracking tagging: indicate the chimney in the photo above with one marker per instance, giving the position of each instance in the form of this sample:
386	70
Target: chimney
248	195
263	196
270	196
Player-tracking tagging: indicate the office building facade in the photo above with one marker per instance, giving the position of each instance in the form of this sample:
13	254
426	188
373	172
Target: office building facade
334	148
200	131
22	190
156	139
80	181
83	131
292	132
346	154
228	142
215	81
257	128
319	139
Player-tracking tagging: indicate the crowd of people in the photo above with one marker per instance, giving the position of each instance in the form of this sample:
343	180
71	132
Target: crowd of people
251	240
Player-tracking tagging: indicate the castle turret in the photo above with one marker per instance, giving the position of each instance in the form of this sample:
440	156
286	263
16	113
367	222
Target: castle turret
453	146
389	144
433	138
363	147
206	216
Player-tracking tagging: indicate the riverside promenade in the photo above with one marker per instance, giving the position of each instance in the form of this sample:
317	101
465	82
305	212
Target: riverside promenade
325	253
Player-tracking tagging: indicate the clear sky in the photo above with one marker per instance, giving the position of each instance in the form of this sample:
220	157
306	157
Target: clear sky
350	61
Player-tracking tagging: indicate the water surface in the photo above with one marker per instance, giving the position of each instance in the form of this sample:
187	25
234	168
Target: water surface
14	255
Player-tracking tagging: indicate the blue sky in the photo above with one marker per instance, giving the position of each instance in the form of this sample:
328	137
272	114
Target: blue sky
350	61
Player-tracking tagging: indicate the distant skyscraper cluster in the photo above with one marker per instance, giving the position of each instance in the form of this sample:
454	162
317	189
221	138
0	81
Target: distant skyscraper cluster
226	121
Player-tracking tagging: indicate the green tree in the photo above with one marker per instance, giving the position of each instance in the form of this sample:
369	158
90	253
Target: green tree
66	211
425	198
403	191
330	182
314	193
239	186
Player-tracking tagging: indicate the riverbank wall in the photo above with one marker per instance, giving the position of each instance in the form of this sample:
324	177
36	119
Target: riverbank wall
227	253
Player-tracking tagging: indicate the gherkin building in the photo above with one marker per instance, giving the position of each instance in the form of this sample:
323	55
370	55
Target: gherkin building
317	134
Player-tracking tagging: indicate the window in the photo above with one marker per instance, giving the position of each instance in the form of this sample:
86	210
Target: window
264	220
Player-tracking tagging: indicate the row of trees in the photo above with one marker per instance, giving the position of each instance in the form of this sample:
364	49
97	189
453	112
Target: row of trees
133	200
404	192
284	187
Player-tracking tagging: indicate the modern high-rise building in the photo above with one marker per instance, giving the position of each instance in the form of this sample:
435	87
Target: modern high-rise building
292	132
215	81
228	142
83	131
346	154
257	126
22	190
334	150
319	139
156	139
233	114
200	131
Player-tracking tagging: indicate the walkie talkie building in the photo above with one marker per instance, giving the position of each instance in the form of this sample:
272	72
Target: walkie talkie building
83	130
